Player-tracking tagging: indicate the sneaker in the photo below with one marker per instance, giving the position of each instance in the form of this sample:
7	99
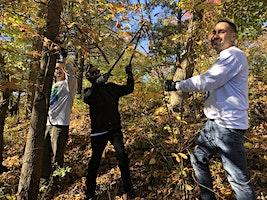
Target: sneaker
90	197
129	195
43	185
44	181
125	196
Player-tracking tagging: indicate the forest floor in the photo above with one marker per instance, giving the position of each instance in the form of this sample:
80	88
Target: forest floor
157	146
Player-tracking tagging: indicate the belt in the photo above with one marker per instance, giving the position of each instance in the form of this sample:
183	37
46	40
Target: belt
99	133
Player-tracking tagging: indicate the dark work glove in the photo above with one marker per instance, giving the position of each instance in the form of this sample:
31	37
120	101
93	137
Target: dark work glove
87	76
61	55
103	78
64	52
128	69
170	85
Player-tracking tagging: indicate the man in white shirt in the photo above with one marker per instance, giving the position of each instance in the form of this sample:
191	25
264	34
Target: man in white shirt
226	83
61	100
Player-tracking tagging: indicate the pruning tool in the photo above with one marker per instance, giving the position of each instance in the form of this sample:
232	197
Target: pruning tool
137	34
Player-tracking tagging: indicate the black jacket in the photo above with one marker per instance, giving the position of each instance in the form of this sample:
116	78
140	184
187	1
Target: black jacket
103	100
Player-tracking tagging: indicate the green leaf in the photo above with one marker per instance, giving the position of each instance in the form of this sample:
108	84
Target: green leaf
248	145
61	171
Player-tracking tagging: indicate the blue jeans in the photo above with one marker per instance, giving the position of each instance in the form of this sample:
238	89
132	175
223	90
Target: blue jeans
228	144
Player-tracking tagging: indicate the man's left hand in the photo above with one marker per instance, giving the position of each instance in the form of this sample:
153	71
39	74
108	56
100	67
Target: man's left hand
170	85
128	69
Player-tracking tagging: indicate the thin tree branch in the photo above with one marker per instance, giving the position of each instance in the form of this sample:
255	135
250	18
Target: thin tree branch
41	2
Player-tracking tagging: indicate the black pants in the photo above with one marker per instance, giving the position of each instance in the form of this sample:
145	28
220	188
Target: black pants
98	144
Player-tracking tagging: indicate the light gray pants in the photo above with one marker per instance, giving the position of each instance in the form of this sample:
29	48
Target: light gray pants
55	141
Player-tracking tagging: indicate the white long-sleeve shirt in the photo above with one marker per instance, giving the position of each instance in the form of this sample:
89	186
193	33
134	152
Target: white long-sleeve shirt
227	85
61	100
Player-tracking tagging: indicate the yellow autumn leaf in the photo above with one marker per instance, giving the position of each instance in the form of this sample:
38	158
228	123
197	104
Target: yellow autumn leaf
109	16
160	110
180	4
34	53
10	197
175	38
152	161
200	42
120	9
136	7
71	24
13	161
184	156
188	187
180	120
167	127
176	157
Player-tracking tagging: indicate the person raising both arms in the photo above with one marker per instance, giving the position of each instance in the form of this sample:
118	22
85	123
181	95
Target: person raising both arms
103	99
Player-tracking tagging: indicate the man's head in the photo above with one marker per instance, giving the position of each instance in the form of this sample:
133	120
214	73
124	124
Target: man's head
59	72
223	35
93	73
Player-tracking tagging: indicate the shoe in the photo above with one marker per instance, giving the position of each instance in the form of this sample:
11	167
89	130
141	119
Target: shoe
3	169
125	196
89	197
129	195
44	181
43	185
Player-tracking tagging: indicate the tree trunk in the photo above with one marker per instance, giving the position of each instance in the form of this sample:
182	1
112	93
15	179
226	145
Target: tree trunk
35	67
3	111
32	159
80	72
4	99
184	71
186	65
18	104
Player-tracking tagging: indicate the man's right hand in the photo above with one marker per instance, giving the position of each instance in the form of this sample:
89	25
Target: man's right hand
87	76
170	85
103	78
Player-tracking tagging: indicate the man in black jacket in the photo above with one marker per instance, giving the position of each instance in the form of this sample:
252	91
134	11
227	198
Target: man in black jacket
103	99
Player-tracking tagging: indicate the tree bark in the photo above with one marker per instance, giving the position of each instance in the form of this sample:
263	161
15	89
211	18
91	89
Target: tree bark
18	104
3	112
80	72
186	65
35	67
184	71
32	160
4	99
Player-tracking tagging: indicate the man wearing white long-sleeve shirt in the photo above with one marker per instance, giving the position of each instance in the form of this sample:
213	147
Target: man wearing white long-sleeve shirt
58	120
226	84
